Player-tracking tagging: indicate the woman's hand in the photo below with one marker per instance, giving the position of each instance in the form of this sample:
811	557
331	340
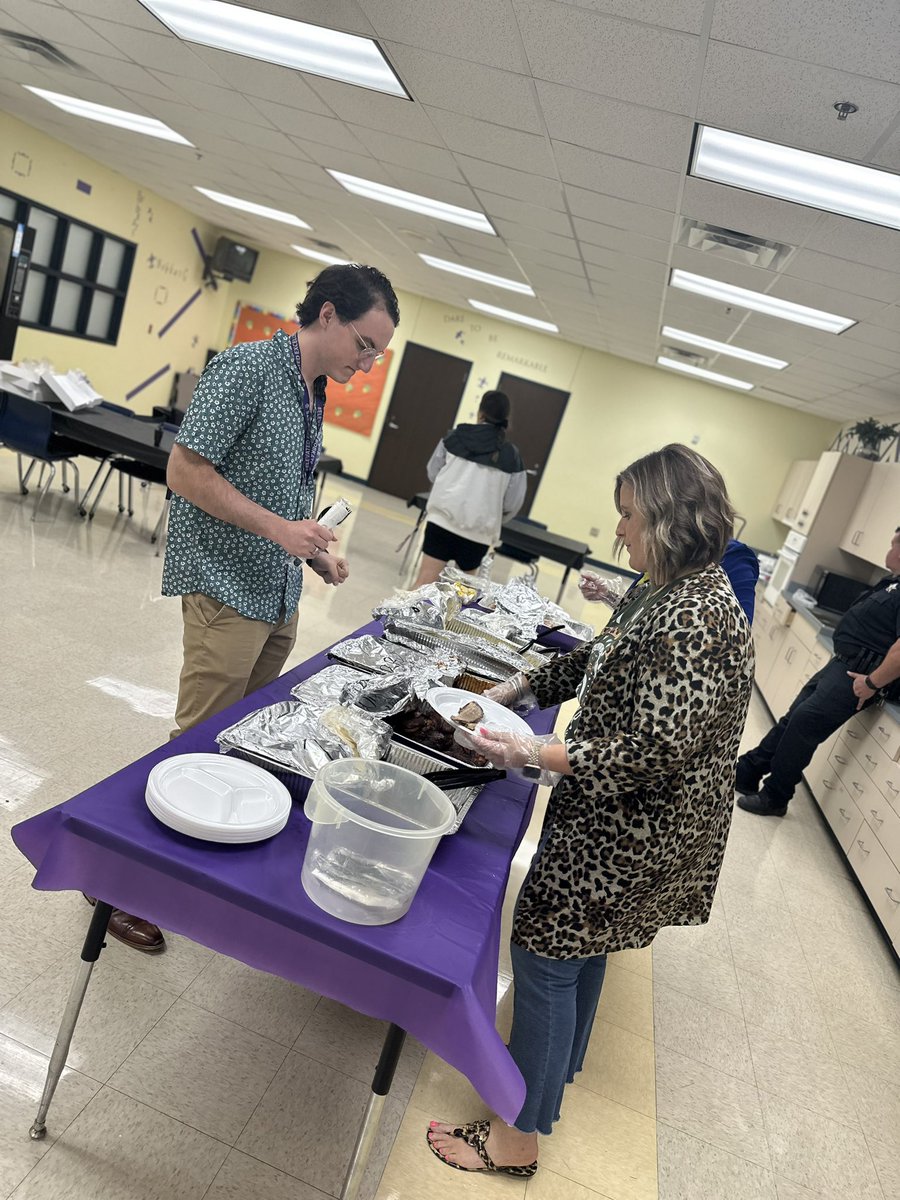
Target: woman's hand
513	752
595	589
513	693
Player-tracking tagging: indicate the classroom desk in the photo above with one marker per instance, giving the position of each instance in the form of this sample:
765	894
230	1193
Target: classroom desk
532	540
433	973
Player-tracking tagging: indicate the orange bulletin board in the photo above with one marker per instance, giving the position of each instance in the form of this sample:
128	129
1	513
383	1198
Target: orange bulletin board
352	406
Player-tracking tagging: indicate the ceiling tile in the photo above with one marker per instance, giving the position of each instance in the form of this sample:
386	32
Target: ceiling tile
468	88
504	181
155	51
342	14
853	278
686	15
616	176
457	29
801	291
608	210
863	39
429	160
597	53
375	110
67	31
607	261
265	80
523	213
308	127
645	135
791	102
494	143
857	241
514	235
125	14
745	212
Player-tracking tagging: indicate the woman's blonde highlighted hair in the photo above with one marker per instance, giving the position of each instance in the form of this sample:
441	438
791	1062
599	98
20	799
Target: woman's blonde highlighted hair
688	518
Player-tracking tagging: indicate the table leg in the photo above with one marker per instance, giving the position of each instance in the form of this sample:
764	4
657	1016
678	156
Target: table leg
90	952
562	586
381	1085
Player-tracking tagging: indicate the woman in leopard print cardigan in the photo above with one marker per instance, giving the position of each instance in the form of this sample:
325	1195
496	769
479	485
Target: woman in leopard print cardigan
635	830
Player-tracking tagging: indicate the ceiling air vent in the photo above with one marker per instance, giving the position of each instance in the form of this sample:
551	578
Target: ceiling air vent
325	245
686	356
29	48
733	246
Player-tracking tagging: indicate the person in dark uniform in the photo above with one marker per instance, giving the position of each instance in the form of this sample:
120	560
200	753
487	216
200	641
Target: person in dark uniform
866	664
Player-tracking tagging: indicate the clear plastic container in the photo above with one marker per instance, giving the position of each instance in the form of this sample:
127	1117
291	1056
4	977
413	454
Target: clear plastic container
374	829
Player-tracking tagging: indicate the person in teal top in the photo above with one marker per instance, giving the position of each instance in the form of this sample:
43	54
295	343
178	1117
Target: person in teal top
241	471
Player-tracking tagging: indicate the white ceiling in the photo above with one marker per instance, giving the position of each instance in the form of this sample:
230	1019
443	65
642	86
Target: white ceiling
569	124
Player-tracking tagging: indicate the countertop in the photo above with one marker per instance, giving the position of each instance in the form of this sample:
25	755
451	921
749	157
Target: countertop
825	635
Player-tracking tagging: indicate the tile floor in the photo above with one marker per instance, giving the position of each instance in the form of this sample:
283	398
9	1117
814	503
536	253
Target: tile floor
755	1058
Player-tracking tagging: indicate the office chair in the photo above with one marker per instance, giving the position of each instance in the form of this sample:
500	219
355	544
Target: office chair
130	469
26	427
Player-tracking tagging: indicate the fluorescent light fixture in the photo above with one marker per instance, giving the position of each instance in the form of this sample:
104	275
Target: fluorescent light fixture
318	256
468	217
500	281
258	210
110	116
710	376
505	315
830	184
727	293
705	343
255	33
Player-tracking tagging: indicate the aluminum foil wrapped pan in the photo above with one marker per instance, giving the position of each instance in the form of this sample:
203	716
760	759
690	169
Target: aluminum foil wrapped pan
292	734
411	606
499	624
368	653
523	601
380	695
492	661
321	691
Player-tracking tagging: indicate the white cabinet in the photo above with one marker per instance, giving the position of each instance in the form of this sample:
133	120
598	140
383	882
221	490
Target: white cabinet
876	515
857	786
787	506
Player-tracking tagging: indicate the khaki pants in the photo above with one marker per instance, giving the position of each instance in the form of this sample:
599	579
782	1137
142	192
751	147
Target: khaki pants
226	657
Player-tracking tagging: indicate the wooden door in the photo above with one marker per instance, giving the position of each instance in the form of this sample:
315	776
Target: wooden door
423	407
537	412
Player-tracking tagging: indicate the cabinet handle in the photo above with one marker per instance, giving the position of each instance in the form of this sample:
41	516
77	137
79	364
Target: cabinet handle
862	846
891	786
875	816
789	654
881	729
856	537
856	785
850	733
828	784
844	814
890	895
842	761
870	759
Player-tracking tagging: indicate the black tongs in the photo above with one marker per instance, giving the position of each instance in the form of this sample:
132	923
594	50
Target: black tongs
459	777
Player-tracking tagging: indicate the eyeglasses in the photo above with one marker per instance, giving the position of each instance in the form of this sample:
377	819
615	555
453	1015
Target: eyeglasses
366	351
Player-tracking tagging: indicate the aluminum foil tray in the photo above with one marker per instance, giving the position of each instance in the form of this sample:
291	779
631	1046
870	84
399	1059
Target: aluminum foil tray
476	631
497	666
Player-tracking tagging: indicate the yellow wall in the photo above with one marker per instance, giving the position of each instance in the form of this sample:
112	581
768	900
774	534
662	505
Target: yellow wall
167	268
618	409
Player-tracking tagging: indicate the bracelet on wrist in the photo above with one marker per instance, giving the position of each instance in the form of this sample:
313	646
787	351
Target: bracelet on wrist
873	687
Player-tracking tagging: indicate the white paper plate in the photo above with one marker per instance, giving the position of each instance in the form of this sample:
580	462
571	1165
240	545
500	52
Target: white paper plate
217	798
448	701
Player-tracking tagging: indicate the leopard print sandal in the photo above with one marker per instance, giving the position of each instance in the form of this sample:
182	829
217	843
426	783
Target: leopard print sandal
475	1134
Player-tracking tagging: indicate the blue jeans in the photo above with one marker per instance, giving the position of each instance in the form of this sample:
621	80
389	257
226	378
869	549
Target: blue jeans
554	1003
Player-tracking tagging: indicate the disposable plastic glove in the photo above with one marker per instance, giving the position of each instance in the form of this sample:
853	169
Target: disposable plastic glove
596	589
514	693
510	751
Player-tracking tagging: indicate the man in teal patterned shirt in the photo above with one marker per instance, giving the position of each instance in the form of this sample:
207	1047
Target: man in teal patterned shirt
241	520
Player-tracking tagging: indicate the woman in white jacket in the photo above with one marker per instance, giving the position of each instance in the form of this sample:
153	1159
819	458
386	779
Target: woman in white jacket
478	483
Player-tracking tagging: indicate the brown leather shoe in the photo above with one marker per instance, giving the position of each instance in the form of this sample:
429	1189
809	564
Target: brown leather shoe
133	931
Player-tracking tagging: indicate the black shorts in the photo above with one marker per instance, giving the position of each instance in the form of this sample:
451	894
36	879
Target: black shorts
440	543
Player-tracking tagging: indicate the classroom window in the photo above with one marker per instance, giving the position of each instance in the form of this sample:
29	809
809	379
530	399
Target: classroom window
79	274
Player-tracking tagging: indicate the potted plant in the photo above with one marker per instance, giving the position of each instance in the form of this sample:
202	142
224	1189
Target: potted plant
869	435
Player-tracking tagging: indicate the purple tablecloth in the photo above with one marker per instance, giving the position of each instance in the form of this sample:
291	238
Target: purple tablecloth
434	972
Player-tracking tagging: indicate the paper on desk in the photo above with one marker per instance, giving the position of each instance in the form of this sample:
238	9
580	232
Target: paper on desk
21	380
73	388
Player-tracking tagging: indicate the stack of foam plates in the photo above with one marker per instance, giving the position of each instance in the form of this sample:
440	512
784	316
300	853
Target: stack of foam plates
217	798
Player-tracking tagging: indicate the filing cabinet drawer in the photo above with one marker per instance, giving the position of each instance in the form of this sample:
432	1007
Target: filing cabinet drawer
884	729
857	783
878	875
840	812
885	825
